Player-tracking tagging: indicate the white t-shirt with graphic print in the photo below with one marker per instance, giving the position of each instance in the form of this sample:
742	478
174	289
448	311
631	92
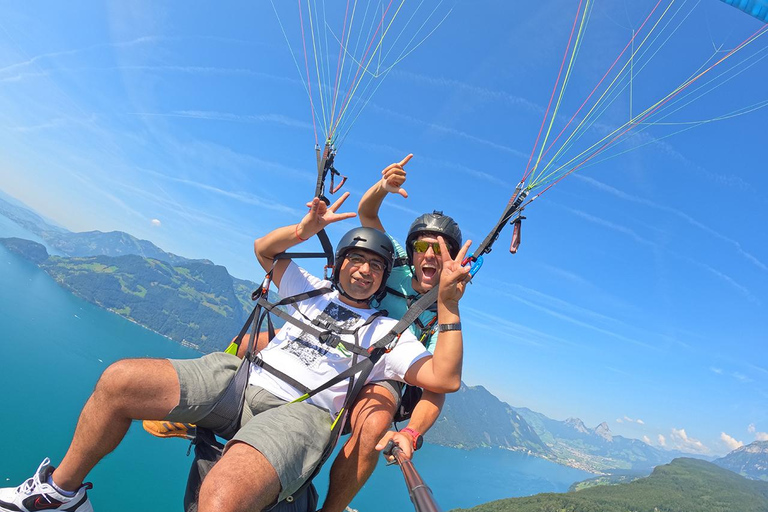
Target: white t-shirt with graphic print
302	357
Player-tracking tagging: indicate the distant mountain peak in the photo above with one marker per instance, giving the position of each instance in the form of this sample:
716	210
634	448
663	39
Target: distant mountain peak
756	447
577	424
603	431
750	461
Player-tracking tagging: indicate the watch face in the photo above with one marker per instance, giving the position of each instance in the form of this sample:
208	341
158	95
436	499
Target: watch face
419	442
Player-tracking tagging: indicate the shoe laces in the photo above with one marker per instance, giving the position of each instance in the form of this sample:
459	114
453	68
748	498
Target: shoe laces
27	487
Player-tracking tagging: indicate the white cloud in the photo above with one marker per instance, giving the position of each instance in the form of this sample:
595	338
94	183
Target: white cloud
647	440
718	371
662	440
741	377
155	222
759	436
730	442
640	422
682	442
619	420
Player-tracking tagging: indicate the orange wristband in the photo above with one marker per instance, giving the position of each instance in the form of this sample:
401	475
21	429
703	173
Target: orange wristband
297	234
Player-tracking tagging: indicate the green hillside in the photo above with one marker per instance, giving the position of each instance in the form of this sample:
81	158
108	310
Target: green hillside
195	302
684	485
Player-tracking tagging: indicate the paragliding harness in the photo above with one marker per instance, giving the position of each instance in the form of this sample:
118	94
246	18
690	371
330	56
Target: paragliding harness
230	404
208	450
412	394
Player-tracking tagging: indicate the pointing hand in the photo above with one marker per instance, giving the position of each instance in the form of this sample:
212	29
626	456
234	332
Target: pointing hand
394	177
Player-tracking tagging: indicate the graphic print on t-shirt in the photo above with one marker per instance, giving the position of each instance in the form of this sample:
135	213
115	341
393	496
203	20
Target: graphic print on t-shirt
307	349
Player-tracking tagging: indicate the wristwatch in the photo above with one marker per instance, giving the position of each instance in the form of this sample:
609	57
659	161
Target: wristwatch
417	438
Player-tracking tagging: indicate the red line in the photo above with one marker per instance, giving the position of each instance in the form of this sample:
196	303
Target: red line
338	62
554	89
656	108
601	80
360	66
306	65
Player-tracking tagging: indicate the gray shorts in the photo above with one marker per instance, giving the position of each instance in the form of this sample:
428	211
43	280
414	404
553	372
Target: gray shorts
292	436
394	387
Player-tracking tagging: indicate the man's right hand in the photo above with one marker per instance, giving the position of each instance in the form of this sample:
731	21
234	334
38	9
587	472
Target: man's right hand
393	177
321	215
404	441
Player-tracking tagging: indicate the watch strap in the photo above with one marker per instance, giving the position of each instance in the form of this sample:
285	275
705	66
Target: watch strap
414	435
450	327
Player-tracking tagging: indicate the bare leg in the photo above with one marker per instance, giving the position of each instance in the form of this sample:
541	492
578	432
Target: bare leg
128	389
243	480
371	417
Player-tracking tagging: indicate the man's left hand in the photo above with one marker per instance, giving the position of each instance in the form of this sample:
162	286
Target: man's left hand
454	278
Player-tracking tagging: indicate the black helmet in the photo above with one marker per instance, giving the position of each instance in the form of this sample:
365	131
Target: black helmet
369	239
438	224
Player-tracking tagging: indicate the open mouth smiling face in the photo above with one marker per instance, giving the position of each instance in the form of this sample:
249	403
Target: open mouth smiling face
427	265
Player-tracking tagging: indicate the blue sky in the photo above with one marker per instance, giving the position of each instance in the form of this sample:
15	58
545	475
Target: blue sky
638	296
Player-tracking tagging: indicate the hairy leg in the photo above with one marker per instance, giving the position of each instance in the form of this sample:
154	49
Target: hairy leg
371	417
127	390
243	480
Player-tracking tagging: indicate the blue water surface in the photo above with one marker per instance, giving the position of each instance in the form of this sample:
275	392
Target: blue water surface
54	346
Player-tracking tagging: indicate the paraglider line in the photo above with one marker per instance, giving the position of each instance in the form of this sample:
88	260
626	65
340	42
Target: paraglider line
554	88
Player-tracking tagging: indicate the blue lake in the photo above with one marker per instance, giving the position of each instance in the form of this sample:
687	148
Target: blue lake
53	347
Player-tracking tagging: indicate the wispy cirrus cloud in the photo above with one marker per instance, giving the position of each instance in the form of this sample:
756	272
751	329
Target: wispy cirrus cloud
207	115
679	214
474	91
610	225
744	379
54	55
639	239
50	125
105	192
518	332
567	312
249	199
447	130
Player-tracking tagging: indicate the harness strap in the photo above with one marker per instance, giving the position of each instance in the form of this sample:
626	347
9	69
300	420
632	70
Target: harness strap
330	336
366	365
293	299
282	376
410	316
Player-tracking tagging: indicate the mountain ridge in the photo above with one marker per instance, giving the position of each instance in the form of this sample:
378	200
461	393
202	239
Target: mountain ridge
750	461
683	485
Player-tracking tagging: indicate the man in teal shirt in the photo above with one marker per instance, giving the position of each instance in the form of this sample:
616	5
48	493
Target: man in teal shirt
417	270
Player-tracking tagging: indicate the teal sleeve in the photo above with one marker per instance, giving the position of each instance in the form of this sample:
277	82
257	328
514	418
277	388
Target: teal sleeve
400	252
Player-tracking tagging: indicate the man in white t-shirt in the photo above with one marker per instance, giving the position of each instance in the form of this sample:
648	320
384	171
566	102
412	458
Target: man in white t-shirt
279	441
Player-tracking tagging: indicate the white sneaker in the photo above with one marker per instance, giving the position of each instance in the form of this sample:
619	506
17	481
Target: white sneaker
37	494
